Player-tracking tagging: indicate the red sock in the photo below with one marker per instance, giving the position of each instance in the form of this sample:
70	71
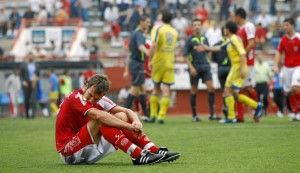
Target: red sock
293	103
239	111
119	140
144	142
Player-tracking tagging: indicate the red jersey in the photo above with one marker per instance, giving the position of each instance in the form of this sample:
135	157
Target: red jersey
88	74
290	46
71	116
247	32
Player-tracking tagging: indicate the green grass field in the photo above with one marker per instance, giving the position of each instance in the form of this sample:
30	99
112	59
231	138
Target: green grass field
271	146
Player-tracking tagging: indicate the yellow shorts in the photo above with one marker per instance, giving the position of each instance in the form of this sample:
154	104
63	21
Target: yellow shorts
234	79
53	95
163	75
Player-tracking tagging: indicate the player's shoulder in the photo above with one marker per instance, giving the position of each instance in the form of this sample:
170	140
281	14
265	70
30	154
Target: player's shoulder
297	35
249	25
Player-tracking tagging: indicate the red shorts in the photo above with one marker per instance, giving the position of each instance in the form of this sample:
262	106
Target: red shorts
79	141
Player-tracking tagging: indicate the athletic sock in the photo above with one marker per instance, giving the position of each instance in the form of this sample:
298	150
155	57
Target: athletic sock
153	105
229	100
143	104
164	105
119	140
193	98
211	102
143	142
293	103
129	101
288	103
247	100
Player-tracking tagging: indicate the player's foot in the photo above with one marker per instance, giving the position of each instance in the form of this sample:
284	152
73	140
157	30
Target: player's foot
296	117
196	119
280	114
240	120
226	120
258	110
160	121
168	156
152	120
214	117
145	119
147	158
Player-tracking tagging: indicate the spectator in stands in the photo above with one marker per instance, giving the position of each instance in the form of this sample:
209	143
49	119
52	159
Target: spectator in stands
84	6
89	72
85	52
260	37
53	93
61	16
29	75
1	51
3	21
111	13
35	5
42	15
94	49
13	86
264	18
39	52
224	9
60	52
180	23
50	6
201	12
135	17
14	22
29	14
263	76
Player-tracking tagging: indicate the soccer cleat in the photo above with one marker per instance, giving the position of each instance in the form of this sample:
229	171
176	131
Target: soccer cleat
152	120
160	121
280	114
196	119
168	156
258	110
147	158
226	120
214	117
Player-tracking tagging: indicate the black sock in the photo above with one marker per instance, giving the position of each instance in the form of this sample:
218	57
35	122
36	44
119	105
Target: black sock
193	104
211	103
288	104
129	101
143	104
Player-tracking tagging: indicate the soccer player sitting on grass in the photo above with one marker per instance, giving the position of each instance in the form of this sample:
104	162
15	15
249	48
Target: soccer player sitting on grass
237	74
89	126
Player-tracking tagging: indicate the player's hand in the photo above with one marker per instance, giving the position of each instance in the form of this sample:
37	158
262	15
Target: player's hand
201	48
137	129
193	72
242	73
126	75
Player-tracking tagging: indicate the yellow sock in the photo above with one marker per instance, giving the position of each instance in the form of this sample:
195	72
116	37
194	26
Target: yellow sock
164	105
153	106
54	108
247	100
230	105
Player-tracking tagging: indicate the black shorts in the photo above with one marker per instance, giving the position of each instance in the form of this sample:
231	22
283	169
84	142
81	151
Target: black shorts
136	69
203	72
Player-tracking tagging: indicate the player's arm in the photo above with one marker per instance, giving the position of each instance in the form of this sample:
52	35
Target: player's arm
186	54
250	32
126	68
250	46
107	119
277	59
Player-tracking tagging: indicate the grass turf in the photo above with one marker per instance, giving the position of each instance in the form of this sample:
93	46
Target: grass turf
270	146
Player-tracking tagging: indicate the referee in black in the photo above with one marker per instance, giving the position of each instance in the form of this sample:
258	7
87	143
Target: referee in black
135	66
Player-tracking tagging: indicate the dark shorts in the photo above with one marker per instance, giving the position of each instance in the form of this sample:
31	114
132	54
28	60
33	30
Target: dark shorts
136	69
203	73
222	75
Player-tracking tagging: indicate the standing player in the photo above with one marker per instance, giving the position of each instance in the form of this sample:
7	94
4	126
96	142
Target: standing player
290	47
247	33
90	126
138	53
237	74
164	40
199	67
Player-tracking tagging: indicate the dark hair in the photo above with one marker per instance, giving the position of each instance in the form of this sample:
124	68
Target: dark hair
166	16
289	20
100	82
231	26
241	12
143	18
196	20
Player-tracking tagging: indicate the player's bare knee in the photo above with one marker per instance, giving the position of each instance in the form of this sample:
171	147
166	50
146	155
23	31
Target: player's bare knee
122	116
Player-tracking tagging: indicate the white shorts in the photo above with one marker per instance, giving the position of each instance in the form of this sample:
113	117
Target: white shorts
291	77
149	85
90	153
250	79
